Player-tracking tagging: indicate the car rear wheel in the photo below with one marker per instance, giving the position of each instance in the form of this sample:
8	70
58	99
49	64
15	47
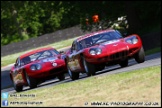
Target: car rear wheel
17	88
89	68
124	63
61	77
73	75
140	56
31	81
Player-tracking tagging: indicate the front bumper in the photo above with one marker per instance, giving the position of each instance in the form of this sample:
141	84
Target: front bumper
113	56
48	70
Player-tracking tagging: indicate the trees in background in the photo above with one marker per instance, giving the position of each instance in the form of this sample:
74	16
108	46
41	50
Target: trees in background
22	20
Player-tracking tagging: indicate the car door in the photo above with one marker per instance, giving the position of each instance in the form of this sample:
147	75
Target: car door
70	59
73	58
76	56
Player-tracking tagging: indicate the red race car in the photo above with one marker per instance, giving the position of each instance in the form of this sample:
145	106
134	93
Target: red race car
92	52
37	66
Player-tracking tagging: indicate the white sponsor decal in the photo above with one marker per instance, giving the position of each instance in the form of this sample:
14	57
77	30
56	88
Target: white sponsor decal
54	64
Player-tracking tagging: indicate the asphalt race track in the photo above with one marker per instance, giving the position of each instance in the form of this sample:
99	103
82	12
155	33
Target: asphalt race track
150	60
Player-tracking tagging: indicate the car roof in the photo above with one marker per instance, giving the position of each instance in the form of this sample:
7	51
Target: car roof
35	51
94	33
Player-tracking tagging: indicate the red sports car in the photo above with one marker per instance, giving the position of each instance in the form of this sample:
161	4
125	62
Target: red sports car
92	52
37	66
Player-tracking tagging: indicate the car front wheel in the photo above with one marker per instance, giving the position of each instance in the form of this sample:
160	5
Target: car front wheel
61	77
31	81
17	88
89	68
73	75
140	56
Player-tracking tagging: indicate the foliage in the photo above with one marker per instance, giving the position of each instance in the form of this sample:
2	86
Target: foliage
21	20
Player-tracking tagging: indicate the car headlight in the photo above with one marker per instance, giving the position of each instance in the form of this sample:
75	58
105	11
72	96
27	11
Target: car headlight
92	52
98	51
95	51
38	66
129	41
35	67
132	40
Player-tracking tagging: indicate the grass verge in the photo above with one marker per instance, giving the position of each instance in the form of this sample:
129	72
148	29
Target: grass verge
143	85
154	50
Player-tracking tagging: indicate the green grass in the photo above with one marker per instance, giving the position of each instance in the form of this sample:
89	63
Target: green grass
143	85
154	50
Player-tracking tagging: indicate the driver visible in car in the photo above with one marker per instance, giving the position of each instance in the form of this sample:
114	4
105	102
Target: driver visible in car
83	44
86	43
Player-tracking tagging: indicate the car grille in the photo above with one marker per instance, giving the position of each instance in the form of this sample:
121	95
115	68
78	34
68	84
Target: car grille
119	55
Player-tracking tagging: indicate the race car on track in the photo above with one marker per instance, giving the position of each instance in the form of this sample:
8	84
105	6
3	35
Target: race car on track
92	52
36	66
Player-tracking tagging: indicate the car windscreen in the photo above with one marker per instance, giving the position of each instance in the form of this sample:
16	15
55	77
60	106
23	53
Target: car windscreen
39	55
99	38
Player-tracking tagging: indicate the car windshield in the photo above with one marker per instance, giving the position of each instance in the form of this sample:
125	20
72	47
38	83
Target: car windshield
99	38
39	55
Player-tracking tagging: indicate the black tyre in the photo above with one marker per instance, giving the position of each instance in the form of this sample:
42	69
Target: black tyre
140	56
31	81
17	88
73	75
100	67
89	68
61	77
124	63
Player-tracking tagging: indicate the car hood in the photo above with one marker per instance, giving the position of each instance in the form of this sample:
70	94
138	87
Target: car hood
57	59
48	59
112	46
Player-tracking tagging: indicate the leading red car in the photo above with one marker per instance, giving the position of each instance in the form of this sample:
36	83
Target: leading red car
92	52
37	66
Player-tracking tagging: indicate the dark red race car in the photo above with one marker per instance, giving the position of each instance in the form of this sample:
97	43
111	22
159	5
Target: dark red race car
92	52
37	66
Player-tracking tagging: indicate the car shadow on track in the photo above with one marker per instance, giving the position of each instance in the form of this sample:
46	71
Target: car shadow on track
106	70
52	82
